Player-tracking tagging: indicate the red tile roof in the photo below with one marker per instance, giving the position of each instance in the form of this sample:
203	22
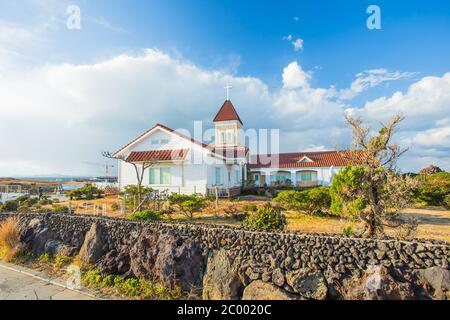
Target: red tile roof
291	160
158	155
227	112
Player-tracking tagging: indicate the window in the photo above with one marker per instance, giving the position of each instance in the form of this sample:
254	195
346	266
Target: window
155	142
164	141
160	176
237	176
230	136
165	175
281	177
218	176
306	176
222	137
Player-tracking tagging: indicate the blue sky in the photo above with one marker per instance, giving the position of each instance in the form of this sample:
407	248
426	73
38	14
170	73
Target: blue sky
245	42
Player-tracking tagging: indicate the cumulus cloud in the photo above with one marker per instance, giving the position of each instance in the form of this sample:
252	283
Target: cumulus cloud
295	77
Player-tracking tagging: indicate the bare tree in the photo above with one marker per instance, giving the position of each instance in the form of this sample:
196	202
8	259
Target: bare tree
370	187
139	167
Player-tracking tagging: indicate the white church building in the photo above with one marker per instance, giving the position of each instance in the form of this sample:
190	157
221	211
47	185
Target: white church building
180	164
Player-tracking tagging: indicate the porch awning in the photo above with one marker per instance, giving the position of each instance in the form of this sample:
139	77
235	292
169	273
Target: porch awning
158	155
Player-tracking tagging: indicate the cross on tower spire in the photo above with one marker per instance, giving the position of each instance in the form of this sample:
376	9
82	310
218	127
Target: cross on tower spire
228	87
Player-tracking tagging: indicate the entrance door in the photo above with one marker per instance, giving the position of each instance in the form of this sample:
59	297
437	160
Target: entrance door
256	177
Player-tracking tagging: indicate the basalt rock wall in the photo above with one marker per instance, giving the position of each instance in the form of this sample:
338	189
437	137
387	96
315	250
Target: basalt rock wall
235	263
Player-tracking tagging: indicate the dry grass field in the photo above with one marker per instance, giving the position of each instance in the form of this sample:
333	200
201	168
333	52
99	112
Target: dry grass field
434	223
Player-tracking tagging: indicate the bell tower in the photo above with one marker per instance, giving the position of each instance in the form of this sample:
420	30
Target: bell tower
228	126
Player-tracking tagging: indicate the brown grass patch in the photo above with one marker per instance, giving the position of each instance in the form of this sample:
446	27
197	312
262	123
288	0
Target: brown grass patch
10	245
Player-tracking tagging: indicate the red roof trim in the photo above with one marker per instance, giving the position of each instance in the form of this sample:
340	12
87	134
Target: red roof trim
291	160
158	155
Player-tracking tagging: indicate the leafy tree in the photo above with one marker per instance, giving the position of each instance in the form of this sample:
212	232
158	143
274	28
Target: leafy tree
370	189
130	196
139	168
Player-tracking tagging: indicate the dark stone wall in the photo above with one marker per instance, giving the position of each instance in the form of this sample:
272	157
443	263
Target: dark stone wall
259	255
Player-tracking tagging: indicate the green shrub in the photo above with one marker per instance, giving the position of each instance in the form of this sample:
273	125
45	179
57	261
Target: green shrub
45	200
188	204
61	261
130	196
22	199
348	231
266	218
108	281
433	189
44	258
147	215
447	201
10	206
348	178
88	192
92	278
133	288
312	200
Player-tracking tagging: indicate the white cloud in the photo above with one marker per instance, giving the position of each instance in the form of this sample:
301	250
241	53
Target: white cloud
425	103
432	138
295	77
296	43
372	78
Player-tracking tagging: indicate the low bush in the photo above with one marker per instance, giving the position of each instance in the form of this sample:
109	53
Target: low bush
61	261
434	189
447	201
132	288
266	218
348	231
148	215
316	200
187	204
45	200
10	245
88	192
10	206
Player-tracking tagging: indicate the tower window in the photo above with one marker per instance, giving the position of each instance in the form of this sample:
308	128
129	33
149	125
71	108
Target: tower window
222	137
230	137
